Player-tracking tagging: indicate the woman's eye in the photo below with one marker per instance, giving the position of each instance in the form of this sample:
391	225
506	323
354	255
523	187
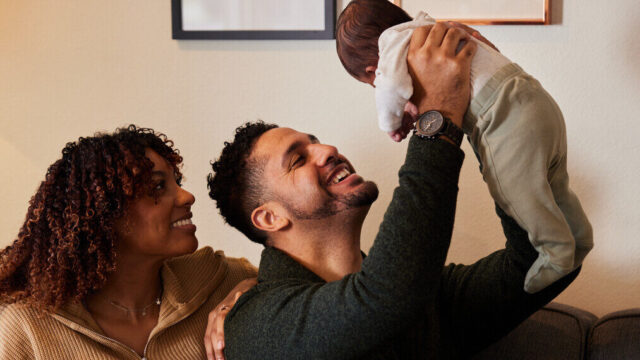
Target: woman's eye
159	186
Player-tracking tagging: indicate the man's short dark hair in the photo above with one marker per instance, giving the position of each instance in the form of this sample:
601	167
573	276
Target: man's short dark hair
358	29
236	183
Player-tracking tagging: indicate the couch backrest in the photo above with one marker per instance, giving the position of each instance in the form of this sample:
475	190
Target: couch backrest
557	331
615	336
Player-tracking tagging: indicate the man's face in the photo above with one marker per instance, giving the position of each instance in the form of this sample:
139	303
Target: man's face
311	180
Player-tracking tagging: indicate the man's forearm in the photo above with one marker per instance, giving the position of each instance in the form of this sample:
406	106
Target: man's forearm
411	246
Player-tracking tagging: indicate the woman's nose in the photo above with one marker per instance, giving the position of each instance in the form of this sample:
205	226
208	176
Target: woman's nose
185	198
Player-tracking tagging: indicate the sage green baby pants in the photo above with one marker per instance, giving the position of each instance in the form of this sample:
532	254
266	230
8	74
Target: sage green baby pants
519	136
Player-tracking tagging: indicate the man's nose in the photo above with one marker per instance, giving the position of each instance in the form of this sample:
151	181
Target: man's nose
323	154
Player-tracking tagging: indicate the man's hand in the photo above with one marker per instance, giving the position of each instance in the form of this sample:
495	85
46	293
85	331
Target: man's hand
473	32
214	335
441	76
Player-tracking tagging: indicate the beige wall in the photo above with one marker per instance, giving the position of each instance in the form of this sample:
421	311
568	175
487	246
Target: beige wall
69	68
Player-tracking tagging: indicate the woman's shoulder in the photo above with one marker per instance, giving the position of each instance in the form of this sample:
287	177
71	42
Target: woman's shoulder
210	261
18	313
16	324
242	265
203	272
22	317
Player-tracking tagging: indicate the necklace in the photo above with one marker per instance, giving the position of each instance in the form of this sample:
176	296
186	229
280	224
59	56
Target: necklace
142	311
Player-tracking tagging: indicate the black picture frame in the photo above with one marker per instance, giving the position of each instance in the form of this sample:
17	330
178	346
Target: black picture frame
178	33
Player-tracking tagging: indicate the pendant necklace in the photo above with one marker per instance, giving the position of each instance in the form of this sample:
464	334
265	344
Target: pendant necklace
142	311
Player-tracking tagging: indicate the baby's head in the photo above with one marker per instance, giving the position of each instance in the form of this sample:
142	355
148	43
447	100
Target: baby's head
359	27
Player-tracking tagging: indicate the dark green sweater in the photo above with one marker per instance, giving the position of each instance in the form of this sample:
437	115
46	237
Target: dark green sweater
404	303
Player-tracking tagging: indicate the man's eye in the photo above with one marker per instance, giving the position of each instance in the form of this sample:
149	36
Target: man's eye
298	161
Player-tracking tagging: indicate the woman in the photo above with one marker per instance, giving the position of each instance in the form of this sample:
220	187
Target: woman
98	271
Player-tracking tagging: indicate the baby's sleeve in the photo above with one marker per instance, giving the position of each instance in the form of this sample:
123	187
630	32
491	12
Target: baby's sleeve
393	82
390	105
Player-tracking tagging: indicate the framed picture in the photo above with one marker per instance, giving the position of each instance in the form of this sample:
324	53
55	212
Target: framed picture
253	19
482	12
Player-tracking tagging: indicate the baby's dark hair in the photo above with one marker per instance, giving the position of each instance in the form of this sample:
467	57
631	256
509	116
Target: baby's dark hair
359	27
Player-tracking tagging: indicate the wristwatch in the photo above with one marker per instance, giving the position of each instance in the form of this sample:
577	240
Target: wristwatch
432	124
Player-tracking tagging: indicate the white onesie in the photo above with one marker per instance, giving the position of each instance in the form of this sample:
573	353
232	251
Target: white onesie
393	83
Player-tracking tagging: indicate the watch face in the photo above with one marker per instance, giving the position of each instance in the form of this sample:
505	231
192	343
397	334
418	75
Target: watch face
430	123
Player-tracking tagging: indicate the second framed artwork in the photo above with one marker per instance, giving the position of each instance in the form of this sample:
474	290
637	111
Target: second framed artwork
482	12
253	19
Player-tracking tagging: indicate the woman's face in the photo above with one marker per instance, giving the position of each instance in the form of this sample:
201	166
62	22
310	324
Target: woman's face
159	226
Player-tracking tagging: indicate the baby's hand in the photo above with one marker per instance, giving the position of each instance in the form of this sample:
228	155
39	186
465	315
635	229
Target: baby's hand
410	116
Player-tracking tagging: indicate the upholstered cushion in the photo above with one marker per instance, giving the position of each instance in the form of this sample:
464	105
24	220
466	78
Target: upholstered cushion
555	332
616	336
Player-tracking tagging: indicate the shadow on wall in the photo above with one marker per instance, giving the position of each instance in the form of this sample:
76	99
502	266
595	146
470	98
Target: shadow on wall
603	269
632	53
583	182
340	5
557	7
596	297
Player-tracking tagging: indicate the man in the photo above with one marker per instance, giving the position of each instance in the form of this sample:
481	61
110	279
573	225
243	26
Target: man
317	298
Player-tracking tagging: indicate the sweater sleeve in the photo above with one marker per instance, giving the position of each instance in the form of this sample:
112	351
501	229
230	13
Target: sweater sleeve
351	317
484	301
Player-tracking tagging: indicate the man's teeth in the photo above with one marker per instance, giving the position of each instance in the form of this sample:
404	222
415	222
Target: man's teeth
181	222
340	176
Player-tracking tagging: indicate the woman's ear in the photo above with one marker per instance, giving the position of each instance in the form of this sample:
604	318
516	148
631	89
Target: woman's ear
269	217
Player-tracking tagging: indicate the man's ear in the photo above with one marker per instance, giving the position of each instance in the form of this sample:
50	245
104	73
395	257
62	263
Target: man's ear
371	69
269	217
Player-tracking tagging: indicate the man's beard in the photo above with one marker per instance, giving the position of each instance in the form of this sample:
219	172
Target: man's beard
338	203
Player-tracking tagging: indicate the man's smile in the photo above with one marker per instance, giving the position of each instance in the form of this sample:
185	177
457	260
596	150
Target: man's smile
339	173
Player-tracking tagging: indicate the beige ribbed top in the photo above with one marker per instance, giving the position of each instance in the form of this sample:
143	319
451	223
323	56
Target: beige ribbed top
193	285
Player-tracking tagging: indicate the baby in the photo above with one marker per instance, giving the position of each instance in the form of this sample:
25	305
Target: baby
513	125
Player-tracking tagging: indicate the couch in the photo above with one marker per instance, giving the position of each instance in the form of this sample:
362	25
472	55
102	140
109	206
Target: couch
564	332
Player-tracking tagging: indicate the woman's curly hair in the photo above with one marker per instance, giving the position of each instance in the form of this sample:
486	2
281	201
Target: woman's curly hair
65	249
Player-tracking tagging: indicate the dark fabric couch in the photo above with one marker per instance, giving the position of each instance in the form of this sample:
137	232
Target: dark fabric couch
564	332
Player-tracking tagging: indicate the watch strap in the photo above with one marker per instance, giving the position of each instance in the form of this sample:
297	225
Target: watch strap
451	131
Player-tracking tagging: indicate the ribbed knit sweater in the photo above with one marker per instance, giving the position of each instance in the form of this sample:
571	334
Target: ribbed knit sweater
193	285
